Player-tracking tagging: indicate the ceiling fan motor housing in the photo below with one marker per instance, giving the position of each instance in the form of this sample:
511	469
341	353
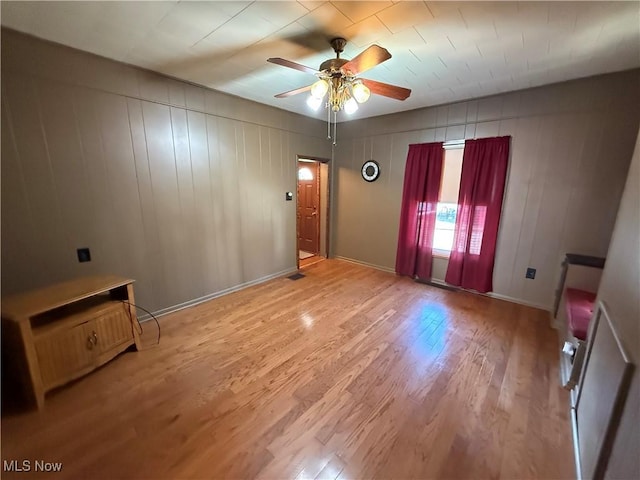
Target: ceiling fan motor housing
333	66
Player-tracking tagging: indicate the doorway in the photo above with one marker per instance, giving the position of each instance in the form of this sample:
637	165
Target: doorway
312	211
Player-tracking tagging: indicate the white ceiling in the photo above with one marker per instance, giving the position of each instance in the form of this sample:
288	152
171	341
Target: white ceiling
443	51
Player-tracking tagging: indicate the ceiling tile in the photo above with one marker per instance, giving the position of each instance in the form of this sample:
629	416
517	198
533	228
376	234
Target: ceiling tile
366	32
404	15
405	40
234	34
443	51
231	8
190	22
326	18
278	13
138	16
442	10
486	12
358	11
311	4
293	42
563	13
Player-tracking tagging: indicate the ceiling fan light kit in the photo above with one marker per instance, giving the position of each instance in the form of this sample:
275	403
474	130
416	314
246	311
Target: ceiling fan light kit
319	89
338	82
350	106
314	103
361	92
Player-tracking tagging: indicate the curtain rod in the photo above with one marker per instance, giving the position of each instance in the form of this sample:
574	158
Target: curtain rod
453	144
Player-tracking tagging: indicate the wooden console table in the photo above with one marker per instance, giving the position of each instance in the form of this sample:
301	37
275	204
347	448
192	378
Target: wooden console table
58	333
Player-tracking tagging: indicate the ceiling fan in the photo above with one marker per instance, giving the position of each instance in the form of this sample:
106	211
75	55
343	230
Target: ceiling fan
338	78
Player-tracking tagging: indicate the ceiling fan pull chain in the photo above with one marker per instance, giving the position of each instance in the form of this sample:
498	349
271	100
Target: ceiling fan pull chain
328	123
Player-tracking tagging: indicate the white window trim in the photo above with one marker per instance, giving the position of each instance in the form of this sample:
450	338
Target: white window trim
441	253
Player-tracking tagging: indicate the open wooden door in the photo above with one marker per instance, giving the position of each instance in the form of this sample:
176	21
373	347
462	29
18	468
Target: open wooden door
309	207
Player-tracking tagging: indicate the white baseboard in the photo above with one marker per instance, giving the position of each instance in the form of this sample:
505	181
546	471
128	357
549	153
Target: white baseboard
211	296
441	282
576	447
366	264
498	296
519	301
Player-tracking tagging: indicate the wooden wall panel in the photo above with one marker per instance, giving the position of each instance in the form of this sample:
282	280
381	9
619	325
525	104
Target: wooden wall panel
65	152
231	180
126	228
205	243
186	200
570	151
152	276
19	235
215	221
22	101
267	176
281	218
164	187
177	186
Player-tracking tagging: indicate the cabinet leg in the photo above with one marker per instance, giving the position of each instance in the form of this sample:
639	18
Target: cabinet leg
37	390
134	316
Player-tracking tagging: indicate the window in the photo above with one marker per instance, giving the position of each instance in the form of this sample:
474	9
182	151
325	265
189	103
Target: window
448	201
445	224
305	173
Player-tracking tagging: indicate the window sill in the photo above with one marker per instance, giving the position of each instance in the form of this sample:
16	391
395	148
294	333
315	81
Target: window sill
441	254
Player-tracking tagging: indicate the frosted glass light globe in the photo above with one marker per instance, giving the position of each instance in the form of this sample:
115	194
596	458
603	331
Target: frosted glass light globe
361	92
314	103
350	106
319	89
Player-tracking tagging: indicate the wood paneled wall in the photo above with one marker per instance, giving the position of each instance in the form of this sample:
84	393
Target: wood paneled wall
179	187
570	151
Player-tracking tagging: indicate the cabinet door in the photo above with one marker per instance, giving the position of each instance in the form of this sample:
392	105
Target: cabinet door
112	329
65	355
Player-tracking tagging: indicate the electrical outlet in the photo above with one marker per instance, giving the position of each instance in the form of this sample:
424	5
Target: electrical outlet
84	255
531	273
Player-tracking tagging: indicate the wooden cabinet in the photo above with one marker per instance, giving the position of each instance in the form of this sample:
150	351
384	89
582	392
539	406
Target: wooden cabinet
59	333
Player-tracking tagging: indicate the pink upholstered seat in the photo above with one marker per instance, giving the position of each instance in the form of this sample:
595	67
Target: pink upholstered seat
579	307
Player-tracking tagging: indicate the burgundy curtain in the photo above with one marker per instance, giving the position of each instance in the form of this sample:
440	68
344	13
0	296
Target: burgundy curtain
484	172
422	178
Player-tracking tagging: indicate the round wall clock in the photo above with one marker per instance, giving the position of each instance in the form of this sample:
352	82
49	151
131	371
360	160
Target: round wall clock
370	170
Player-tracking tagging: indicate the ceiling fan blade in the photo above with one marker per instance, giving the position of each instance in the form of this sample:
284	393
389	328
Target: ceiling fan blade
386	90
293	92
369	58
290	64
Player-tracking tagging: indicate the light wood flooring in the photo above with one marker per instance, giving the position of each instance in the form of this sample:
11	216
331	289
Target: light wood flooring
347	373
305	262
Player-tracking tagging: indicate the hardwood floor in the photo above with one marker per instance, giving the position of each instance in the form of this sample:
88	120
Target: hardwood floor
305	262
346	373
